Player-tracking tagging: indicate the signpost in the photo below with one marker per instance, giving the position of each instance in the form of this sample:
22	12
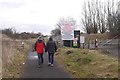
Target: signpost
70	36
67	33
77	36
75	42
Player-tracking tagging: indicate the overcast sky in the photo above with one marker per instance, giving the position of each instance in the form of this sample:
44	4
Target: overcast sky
38	15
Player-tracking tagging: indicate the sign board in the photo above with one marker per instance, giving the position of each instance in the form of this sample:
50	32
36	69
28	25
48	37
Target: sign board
82	39
75	42
67	32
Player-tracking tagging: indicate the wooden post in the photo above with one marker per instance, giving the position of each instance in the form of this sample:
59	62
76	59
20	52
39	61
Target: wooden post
71	43
80	45
23	44
83	45
96	43
88	43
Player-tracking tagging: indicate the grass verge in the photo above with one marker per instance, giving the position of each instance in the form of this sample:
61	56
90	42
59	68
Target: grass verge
14	69
83	63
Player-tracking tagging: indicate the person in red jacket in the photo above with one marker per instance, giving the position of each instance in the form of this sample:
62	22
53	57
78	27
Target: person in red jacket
39	48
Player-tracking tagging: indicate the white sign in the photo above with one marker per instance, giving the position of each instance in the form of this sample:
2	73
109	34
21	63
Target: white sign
67	32
75	40
82	39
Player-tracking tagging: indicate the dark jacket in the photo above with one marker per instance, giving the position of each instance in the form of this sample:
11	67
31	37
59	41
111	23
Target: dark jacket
39	46
51	46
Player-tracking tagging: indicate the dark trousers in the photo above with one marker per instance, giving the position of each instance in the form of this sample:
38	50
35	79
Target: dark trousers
51	57
40	59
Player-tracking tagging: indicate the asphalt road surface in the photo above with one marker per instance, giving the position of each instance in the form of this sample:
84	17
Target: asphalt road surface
32	70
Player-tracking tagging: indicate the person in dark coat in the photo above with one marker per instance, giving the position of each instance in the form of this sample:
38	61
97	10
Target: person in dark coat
39	48
51	48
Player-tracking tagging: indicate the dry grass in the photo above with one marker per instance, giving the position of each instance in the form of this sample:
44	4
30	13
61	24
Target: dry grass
13	55
87	63
13	69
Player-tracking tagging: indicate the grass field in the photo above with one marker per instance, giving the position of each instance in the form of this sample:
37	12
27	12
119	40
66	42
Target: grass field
83	63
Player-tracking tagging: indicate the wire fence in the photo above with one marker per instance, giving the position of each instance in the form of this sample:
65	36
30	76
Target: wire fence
108	46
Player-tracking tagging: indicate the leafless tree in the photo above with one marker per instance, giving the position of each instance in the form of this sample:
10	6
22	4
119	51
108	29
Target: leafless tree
113	18
61	22
94	13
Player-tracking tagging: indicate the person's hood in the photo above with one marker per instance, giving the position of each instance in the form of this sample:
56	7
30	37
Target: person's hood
40	41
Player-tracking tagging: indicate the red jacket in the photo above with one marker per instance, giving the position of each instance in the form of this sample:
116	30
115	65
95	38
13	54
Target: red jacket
39	47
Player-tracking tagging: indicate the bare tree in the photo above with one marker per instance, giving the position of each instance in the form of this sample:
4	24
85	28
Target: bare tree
56	32
94	16
89	20
113	18
86	20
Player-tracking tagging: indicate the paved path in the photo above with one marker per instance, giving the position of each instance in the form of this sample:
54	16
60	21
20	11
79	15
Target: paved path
31	69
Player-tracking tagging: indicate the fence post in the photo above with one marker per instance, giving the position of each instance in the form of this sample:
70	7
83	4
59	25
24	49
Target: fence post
71	44
96	43
83	46
88	43
23	44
